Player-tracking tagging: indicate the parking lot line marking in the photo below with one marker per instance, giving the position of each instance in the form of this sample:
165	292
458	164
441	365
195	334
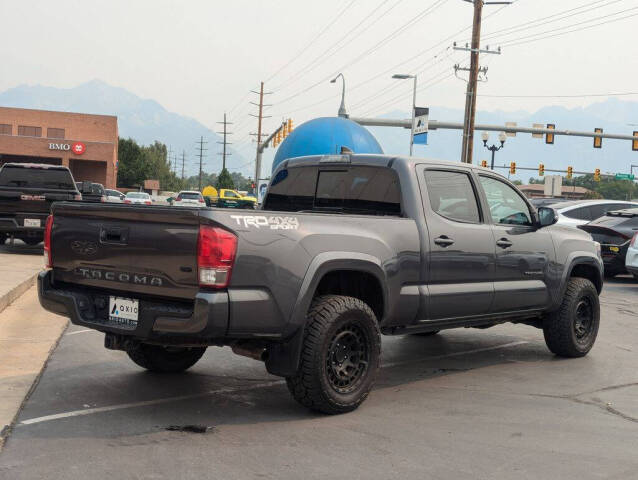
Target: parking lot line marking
455	354
159	401
80	331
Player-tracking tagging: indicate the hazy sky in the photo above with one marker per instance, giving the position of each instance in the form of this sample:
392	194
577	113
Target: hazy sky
200	58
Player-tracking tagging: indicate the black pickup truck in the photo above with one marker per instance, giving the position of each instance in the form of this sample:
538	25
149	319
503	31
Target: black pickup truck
27	191
347	247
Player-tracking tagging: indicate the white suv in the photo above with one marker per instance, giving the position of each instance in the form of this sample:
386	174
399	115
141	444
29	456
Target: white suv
189	198
580	212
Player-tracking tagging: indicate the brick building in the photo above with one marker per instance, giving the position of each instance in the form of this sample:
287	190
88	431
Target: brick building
85	143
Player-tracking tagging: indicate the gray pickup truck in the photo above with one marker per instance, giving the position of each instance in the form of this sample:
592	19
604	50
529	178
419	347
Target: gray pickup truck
346	247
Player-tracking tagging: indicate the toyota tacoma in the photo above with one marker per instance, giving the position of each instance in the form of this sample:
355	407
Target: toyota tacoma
346	248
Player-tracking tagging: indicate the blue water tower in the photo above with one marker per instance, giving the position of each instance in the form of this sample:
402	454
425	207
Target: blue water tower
326	136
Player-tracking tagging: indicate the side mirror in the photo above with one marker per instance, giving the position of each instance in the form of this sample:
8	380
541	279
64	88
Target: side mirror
547	216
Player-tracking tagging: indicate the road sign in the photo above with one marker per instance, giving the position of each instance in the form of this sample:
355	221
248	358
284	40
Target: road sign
624	176
421	119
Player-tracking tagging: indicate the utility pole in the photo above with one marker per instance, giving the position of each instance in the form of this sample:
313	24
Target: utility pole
169	158
260	116
183	162
470	96
201	159
225	133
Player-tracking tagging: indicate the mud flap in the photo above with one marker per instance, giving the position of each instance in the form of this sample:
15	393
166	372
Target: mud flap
283	358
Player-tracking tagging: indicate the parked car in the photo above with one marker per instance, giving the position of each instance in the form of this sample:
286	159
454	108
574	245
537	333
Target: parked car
614	231
189	198
114	196
631	260
92	192
580	212
138	198
346	248
27	191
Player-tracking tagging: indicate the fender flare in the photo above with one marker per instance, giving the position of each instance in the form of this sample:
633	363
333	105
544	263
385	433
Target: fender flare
574	259
283	358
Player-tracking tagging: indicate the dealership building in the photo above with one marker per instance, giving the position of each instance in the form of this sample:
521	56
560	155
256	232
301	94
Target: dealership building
85	143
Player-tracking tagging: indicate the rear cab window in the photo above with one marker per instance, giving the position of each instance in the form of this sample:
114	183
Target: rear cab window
355	189
36	178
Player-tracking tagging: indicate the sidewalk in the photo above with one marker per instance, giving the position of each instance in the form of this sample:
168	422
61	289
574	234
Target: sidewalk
28	334
18	270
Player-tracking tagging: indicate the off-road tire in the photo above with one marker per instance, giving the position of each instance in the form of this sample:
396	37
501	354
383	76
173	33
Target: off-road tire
329	318
560	328
157	358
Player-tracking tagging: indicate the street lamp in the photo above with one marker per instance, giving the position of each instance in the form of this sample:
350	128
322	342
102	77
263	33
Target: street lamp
403	76
342	107
501	136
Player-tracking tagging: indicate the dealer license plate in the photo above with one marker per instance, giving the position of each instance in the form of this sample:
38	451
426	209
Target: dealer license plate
124	311
32	222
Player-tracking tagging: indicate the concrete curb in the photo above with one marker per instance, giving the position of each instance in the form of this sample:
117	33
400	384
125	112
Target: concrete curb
15	293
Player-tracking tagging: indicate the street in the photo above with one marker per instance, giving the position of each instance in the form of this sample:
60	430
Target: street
465	404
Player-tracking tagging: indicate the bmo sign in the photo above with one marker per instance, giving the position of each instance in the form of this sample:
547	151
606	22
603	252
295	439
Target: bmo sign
77	148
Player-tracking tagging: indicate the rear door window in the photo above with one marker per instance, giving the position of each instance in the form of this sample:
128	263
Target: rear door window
452	195
582	213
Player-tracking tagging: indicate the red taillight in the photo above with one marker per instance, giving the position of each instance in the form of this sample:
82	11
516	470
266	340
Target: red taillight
77	197
148	202
48	259
127	201
201	200
103	199
633	240
216	250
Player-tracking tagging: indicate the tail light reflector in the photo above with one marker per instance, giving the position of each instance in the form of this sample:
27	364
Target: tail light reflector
148	202
48	259
633	240
201	200
216	249
77	197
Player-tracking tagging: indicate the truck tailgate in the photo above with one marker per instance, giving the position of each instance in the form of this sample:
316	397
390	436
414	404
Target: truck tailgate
146	250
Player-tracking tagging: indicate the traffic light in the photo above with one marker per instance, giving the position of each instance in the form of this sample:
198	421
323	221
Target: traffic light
570	172
513	168
541	170
274	141
597	175
598	141
278	137
549	137
284	130
634	144
484	163
289	125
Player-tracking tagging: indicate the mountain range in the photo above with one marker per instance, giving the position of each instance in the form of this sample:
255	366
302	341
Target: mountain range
146	120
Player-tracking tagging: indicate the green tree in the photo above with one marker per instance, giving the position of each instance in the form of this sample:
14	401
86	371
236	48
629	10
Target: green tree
225	180
137	163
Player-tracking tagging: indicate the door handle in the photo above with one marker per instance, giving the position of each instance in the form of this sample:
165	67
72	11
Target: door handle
443	241
503	243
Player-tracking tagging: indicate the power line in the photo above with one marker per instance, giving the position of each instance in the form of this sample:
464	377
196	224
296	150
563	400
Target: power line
521	40
564	96
547	19
436	4
327	53
313	40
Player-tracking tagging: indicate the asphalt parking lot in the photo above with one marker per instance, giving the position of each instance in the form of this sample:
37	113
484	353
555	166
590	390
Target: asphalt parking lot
466	404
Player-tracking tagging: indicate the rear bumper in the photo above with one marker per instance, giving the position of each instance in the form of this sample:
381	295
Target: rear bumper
14	225
205	319
614	261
